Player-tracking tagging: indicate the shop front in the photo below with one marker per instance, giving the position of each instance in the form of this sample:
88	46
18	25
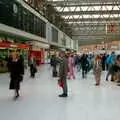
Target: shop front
6	49
40	51
39	56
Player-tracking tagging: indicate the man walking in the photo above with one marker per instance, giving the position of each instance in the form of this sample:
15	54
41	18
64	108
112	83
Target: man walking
84	64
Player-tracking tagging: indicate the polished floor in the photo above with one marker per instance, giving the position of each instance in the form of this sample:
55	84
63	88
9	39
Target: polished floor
39	99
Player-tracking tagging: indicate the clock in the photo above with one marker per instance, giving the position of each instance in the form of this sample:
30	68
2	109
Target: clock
15	8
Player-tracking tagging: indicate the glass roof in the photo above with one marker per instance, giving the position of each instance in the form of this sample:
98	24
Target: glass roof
85	8
91	16
88	17
55	0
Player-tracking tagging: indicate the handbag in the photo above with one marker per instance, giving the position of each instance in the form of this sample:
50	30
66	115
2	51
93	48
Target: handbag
61	84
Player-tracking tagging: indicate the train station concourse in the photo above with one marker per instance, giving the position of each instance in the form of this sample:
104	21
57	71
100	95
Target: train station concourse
39	99
59	60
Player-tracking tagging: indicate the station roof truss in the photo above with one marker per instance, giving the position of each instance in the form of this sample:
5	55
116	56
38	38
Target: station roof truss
92	21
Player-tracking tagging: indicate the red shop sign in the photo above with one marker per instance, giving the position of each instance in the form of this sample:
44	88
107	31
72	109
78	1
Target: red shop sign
5	45
23	46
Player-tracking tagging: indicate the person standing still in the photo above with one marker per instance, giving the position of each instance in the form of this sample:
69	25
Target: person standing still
54	63
71	65
97	69
63	71
33	68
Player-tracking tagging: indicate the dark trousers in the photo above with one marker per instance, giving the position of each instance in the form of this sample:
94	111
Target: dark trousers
103	66
65	88
32	71
84	72
15	82
54	72
78	67
112	76
107	67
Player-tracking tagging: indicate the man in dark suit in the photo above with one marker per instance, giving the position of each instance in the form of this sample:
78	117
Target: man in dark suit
85	65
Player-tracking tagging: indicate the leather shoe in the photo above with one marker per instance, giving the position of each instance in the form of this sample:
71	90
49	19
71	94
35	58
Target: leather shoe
63	95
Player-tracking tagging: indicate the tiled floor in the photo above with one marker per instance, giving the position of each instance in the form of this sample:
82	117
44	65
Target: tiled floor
40	99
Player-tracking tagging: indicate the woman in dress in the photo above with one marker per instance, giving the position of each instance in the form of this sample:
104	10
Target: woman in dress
97	69
71	65
16	69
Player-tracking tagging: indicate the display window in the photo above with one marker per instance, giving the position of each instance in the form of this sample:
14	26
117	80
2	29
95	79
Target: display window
39	56
7	48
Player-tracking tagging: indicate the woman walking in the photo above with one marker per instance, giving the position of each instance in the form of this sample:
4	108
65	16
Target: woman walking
16	69
97	69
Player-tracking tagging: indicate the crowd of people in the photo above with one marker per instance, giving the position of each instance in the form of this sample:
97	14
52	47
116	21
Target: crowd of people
64	67
85	63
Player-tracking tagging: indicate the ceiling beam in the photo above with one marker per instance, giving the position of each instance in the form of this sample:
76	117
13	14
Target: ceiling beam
94	41
89	12
93	19
86	35
87	25
77	25
83	3
97	34
90	41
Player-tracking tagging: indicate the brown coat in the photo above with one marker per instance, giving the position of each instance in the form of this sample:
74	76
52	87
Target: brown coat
63	69
97	68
